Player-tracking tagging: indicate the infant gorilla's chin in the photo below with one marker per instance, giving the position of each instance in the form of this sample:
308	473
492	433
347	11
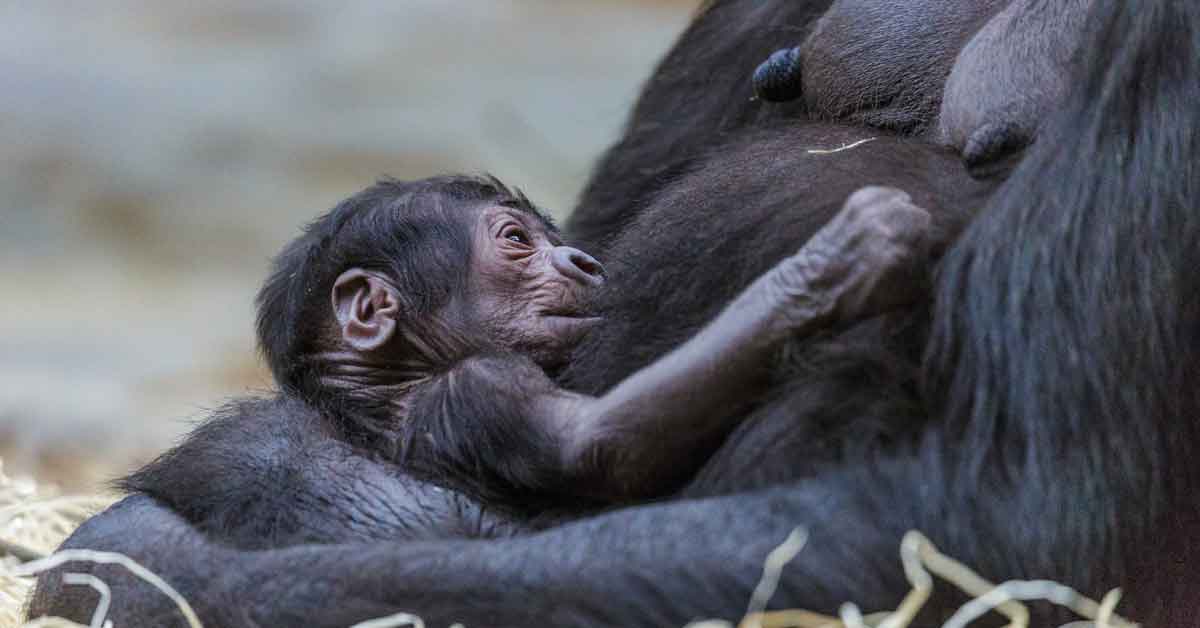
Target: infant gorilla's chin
550	344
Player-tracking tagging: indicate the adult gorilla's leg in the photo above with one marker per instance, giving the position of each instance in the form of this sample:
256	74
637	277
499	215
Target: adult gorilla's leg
656	565
155	536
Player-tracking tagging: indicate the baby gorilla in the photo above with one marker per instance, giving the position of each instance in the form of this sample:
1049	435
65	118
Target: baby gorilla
412	329
433	310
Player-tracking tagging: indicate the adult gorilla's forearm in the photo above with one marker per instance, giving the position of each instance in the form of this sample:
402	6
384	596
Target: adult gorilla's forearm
653	565
149	533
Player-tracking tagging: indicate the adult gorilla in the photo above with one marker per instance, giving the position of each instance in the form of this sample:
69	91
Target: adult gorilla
1051	430
976	75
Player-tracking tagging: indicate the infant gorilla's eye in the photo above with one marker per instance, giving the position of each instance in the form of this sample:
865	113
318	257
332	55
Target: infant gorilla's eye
516	234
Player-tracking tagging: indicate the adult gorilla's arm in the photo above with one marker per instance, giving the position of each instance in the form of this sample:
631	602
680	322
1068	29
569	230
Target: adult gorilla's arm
155	536
655	565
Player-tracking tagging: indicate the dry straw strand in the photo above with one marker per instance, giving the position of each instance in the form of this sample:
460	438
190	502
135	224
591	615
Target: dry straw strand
109	558
100	613
393	621
777	559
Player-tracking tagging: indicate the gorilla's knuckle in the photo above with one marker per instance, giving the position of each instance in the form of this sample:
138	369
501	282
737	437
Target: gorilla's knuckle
871	196
884	226
886	213
889	255
904	222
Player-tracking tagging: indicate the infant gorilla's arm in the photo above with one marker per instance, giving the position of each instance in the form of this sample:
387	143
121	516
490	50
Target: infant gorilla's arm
645	436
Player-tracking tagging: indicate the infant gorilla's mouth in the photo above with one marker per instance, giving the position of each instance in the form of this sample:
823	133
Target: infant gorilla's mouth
567	312
569	326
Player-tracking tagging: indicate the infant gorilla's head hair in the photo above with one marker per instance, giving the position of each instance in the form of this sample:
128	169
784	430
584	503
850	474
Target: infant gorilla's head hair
404	278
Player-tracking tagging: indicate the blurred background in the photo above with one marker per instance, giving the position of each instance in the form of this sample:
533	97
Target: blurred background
155	154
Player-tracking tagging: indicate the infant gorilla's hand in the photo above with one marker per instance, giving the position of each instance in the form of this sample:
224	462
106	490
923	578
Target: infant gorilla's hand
865	261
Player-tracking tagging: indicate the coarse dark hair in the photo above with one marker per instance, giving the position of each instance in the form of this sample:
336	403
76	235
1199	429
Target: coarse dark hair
416	232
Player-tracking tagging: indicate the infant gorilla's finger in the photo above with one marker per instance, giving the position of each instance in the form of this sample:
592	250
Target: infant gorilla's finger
880	239
872	220
871	195
905	224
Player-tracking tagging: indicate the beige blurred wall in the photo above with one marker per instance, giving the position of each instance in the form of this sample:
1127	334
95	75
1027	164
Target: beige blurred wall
155	154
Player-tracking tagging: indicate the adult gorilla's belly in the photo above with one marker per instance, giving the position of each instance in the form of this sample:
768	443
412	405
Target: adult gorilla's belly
713	230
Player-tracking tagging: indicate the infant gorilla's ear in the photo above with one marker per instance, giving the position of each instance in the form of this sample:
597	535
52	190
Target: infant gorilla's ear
366	306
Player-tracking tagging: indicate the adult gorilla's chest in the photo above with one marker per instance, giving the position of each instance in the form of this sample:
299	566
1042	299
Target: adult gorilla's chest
885	63
713	230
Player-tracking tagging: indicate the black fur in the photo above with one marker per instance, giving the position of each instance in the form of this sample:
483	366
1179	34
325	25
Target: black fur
465	439
743	206
1051	431
700	95
273	472
418	231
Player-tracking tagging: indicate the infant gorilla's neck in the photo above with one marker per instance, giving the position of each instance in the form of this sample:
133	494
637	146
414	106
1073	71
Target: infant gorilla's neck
372	382
383	378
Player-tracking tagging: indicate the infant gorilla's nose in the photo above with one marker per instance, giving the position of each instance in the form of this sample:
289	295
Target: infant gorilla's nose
577	265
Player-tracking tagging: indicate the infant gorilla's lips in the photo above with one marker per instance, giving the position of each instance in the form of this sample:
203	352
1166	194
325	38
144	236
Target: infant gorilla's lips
571	327
569	308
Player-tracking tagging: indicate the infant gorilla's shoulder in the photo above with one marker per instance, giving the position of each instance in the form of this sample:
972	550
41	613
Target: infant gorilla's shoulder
269	472
246	437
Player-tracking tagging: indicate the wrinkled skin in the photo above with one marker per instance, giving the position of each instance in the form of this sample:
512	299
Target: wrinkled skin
529	290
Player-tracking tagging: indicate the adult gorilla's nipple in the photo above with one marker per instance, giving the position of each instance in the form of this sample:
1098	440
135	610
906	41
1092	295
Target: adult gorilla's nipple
778	79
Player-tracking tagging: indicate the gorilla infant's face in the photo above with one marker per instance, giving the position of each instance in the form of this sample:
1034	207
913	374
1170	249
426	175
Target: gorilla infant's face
528	290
